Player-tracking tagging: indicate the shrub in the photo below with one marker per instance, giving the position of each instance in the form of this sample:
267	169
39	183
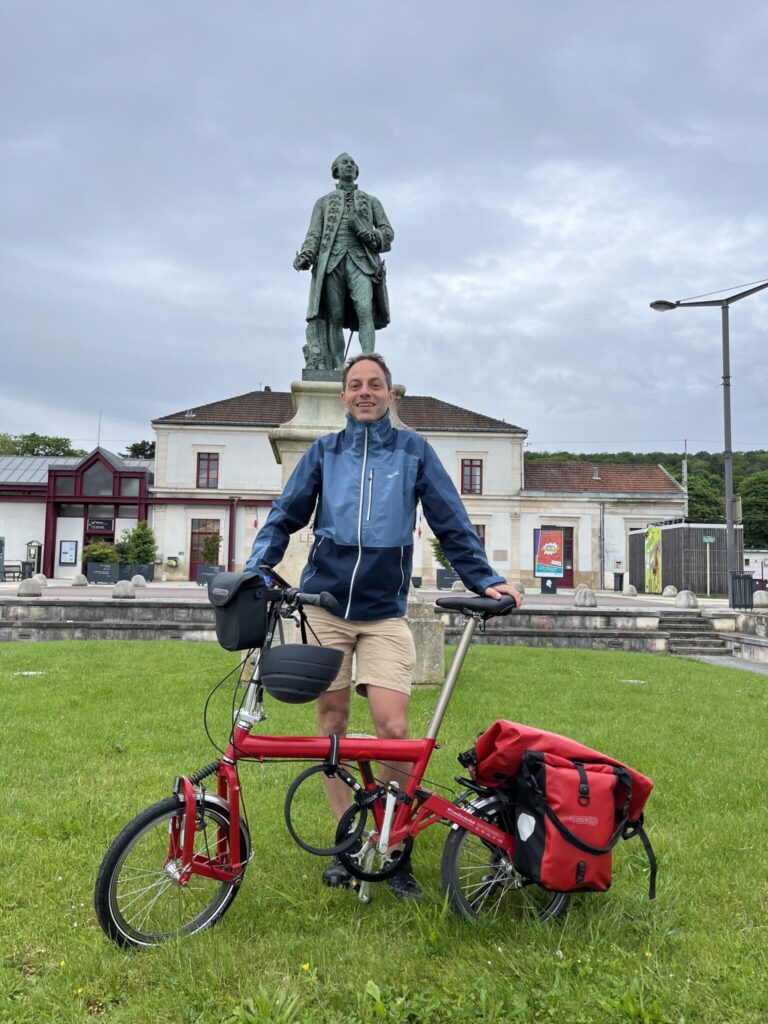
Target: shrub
100	551
210	549
437	551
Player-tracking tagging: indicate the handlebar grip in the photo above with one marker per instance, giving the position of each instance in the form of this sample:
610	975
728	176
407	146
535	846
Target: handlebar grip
321	600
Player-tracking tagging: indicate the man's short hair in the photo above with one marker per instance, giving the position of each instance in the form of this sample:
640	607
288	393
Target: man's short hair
335	165
374	357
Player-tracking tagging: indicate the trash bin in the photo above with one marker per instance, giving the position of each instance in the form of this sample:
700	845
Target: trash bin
741	590
27	569
618	582
548	585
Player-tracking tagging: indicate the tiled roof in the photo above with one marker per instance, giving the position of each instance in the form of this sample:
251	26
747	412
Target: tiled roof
271	408
611	478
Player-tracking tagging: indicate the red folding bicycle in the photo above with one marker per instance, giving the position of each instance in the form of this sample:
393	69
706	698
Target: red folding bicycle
176	868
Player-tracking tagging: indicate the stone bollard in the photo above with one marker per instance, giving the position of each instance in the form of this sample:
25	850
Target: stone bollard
138	581
429	637
518	587
458	587
669	591
630	590
41	578
29	588
78	580
123	590
686	599
760	599
580	586
585	598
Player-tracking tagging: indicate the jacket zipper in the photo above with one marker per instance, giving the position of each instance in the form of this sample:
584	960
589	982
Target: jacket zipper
370	494
359	522
314	558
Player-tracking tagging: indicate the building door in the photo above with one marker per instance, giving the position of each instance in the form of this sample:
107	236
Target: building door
201	528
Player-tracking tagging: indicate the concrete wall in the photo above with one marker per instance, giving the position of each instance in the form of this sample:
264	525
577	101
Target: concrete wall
20	523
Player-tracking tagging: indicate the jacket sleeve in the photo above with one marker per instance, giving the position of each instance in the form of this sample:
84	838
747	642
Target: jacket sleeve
292	510
382	229
448	520
311	244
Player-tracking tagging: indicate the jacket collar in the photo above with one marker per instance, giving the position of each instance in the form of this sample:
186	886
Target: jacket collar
380	432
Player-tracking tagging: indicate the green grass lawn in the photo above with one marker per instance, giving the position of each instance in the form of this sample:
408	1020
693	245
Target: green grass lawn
93	732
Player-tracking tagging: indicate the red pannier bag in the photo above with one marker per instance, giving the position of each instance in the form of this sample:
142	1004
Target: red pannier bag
572	804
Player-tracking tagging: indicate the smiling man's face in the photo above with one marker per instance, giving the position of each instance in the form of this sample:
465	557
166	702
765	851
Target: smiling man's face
365	395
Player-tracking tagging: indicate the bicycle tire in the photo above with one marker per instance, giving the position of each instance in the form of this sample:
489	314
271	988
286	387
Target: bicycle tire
158	908
479	879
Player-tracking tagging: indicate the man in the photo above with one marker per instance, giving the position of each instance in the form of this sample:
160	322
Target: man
347	231
363	486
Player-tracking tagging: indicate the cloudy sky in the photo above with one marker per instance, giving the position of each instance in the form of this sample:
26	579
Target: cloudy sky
549	168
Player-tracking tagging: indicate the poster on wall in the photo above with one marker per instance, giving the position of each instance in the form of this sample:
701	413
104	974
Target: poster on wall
548	548
653	560
67	552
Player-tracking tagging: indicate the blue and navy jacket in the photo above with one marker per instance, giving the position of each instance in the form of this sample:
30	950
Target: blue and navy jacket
363	485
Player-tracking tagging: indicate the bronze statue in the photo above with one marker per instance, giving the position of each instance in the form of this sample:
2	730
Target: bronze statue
347	231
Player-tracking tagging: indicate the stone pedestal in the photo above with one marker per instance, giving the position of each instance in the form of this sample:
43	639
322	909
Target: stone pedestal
317	411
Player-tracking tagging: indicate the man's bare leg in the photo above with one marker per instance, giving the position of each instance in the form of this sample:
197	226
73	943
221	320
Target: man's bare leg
389	711
333	717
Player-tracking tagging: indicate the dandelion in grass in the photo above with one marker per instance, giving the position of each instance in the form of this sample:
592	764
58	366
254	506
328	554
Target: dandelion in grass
305	967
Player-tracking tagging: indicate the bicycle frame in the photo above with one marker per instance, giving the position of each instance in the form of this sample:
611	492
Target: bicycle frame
415	810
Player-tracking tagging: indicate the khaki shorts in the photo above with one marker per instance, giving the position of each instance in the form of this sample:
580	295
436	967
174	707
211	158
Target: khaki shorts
384	650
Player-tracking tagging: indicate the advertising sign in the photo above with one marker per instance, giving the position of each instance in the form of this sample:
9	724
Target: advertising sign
548	547
653	560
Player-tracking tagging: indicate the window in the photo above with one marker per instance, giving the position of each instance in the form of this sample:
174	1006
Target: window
65	485
201	528
129	487
97	479
207	469
480	527
471	476
128	511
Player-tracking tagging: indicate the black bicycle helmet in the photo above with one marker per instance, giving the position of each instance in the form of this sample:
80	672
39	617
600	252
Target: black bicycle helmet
299	673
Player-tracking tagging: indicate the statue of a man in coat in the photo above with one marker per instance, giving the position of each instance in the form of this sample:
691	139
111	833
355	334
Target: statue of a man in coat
347	232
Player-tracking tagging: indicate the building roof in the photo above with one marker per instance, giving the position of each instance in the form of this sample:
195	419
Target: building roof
271	408
598	477
33	469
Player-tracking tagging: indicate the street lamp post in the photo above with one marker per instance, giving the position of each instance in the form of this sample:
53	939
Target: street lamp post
662	306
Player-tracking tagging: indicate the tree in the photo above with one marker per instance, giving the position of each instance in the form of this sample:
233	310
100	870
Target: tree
37	444
140	450
754	507
705	503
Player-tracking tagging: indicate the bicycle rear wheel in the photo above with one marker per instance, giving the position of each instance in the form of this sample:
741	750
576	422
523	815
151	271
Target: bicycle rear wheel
479	878
137	897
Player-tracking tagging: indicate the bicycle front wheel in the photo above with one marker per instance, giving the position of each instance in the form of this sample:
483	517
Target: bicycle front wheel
480	880
138	899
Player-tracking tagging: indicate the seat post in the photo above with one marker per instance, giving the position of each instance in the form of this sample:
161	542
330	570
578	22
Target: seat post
450	680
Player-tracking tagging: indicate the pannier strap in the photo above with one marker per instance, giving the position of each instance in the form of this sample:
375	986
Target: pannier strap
622	776
635	828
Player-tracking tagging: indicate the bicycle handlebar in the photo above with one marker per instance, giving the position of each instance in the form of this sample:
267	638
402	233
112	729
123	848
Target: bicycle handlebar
321	600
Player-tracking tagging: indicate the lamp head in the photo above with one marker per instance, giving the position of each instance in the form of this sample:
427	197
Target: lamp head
662	305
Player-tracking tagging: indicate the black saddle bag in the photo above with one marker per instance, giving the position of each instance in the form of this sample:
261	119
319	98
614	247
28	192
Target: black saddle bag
239	602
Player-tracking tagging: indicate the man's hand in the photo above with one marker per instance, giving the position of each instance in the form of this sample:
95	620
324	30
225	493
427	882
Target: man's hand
303	261
501	589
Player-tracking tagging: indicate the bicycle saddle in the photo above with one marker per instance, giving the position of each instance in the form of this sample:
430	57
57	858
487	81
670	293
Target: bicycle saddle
486	607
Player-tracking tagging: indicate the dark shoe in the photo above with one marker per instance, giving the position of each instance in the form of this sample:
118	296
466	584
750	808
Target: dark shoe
403	885
336	875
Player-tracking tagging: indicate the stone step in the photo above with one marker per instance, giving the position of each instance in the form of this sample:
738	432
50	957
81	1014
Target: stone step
714	642
712	645
711	652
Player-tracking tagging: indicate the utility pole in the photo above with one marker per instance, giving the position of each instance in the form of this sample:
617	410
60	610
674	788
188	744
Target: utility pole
685	477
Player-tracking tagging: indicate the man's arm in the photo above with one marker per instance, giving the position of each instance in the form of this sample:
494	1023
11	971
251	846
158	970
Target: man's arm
307	255
382	229
448	520
292	510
